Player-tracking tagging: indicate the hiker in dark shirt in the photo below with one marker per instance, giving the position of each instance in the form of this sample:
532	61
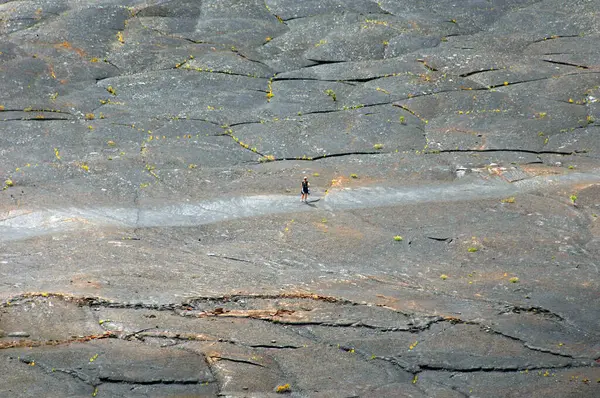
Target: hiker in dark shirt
305	191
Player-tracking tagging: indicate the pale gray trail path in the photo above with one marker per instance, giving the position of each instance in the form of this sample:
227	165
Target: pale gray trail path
23	224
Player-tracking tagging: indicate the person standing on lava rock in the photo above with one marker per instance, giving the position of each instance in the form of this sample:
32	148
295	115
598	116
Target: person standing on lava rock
305	190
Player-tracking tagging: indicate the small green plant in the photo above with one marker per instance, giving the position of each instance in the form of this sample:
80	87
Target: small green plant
316	174
508	200
573	198
331	93
402	120
472	249
267	158
514	279
270	90
378	146
398	238
111	90
443	277
283	388
353	175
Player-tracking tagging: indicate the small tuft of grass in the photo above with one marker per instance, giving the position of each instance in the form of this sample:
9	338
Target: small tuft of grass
398	238
472	249
573	198
514	279
443	277
316	174
353	175
267	158
508	200
378	146
331	93
283	388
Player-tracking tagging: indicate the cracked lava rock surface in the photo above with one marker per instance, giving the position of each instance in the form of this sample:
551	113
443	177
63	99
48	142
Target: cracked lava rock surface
152	240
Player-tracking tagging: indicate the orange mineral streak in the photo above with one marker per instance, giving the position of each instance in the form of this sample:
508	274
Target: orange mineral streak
69	46
51	71
39	343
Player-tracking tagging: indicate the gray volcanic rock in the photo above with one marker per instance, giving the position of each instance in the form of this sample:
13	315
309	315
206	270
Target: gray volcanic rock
153	244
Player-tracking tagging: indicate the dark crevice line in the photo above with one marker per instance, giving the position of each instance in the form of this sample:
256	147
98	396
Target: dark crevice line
565	64
350	80
477	71
283	79
365	80
37	110
427	66
513	83
73	373
107	61
197	119
222	358
212	372
152	382
277	347
231	258
498	369
242	124
567	102
46	119
240	54
552	38
535	310
326	156
527	345
295	18
324	62
217	72
503	150
590	72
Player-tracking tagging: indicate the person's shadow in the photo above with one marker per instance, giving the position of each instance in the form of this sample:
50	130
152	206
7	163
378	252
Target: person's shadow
311	202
